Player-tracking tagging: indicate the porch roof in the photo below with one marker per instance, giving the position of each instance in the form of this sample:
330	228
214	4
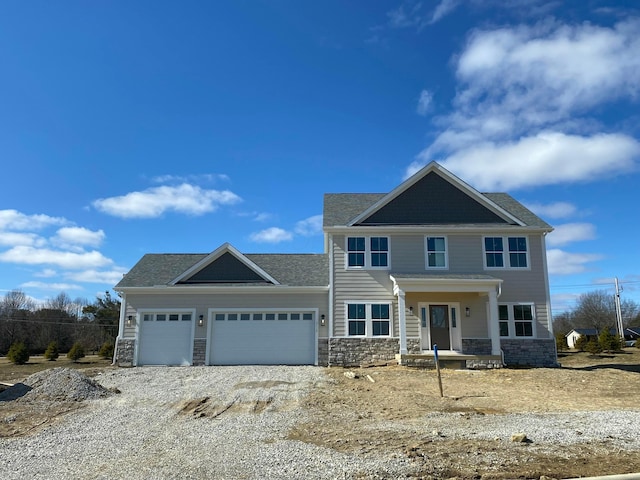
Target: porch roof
429	282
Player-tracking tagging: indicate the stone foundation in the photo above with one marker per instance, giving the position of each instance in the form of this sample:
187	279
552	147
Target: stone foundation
529	352
125	349
323	352
199	351
349	352
476	346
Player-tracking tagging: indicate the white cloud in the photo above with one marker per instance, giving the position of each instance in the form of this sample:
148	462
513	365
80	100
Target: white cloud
444	8
424	102
544	159
560	262
73	260
14	220
51	286
399	18
271	235
310	226
153	202
108	277
14	238
203	177
571	232
553	210
549	71
46	273
520	116
73	236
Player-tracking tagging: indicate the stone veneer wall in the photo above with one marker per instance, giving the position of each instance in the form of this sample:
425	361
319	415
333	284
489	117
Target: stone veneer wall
199	351
530	352
124	352
476	346
356	351
323	352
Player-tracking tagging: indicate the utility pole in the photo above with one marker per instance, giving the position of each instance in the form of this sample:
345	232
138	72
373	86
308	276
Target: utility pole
619	313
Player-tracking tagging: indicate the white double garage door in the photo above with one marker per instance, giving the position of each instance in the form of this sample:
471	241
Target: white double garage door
233	338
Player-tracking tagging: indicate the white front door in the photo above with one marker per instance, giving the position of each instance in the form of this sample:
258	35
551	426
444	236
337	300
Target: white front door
440	325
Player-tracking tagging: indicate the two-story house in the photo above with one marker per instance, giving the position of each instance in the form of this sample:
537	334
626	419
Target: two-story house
433	262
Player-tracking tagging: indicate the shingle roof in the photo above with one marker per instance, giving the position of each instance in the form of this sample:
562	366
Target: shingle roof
288	269
515	208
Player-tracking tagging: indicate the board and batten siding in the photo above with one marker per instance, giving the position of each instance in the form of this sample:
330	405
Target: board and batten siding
355	285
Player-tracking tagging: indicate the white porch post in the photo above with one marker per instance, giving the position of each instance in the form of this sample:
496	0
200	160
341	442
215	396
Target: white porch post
403	322
494	323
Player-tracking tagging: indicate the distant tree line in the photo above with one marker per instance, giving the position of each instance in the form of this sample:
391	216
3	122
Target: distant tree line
596	310
61	320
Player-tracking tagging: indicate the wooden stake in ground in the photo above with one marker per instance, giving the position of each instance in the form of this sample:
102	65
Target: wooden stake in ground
435	355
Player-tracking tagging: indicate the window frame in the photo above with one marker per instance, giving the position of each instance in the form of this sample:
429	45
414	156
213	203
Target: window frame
368	253
445	252
513	322
368	318
506	252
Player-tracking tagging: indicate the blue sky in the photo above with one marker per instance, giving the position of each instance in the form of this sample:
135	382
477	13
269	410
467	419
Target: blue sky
157	127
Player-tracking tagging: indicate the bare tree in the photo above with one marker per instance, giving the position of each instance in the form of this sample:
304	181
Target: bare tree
595	310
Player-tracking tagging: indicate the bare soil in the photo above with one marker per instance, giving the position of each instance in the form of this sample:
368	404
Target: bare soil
350	414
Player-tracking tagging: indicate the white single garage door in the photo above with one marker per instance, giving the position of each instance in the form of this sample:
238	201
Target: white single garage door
165	338
262	338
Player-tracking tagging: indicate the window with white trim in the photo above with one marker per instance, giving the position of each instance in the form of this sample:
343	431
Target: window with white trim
516	248
367	252
437	252
517	320
163	317
369	319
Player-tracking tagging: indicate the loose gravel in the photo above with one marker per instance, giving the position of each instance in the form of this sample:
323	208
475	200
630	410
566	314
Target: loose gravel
232	423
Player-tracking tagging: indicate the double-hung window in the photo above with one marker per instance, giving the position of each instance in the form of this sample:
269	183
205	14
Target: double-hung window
506	252
367	252
369	319
516	320
436	252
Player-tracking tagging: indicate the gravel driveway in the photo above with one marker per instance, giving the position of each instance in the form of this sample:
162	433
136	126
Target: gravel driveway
196	422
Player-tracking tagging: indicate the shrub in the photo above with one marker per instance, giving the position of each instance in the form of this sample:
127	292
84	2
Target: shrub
581	343
51	353
593	347
608	341
561	342
76	352
106	351
18	353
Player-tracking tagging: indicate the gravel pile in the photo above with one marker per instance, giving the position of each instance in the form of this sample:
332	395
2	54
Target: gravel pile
232	422
63	385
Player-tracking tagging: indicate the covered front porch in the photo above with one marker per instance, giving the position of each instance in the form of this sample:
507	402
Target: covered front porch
458	313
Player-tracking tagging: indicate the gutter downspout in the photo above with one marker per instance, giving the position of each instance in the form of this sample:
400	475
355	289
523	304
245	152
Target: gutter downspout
331	293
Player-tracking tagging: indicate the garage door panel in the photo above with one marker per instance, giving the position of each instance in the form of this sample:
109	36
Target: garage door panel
165	342
263	342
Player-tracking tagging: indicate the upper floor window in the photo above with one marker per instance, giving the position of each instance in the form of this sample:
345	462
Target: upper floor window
517	252
368	252
436	252
516	320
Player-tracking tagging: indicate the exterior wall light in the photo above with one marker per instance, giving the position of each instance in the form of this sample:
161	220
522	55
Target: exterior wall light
201	320
467	311
411	310
322	317
129	320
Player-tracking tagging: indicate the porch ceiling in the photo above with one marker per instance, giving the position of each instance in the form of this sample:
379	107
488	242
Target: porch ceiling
444	283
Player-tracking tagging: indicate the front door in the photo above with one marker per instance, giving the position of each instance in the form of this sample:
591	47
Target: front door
439	326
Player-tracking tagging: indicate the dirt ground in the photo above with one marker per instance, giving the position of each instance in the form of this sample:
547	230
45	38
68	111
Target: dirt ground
584	383
348	414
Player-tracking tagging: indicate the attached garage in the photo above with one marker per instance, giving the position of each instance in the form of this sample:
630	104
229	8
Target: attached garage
166	338
264	337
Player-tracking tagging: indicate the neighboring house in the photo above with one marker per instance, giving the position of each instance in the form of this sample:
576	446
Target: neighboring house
432	262
592	334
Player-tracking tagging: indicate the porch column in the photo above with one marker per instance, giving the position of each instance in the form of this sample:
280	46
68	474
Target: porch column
403	322
494	324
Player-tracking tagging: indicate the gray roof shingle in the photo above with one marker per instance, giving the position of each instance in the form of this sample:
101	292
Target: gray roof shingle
288	269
